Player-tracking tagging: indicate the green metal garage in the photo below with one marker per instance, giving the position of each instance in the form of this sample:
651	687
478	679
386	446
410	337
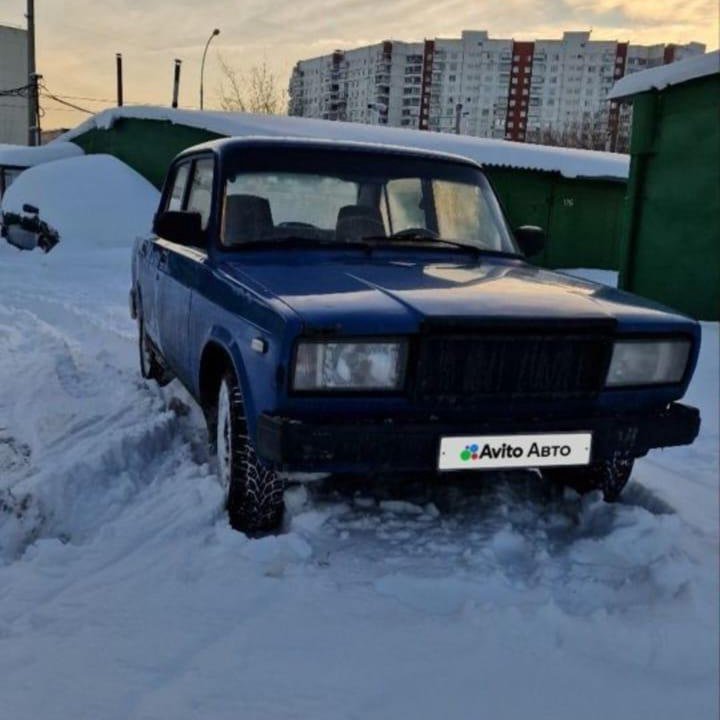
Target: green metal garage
670	248
582	215
576	195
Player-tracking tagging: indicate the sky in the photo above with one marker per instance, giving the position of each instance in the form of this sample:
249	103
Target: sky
77	39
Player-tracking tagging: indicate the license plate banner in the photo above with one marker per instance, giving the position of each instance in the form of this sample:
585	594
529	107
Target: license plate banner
514	451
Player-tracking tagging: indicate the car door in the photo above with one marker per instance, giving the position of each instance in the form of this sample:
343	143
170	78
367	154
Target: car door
150	251
178	267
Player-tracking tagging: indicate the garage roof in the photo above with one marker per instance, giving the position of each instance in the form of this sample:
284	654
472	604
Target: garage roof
665	75
569	162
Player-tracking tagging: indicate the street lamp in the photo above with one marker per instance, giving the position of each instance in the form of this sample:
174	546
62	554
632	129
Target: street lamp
215	32
380	108
459	114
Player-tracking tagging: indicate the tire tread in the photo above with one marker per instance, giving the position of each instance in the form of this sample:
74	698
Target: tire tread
255	496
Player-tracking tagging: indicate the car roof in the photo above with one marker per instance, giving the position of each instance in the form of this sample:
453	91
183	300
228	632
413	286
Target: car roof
223	146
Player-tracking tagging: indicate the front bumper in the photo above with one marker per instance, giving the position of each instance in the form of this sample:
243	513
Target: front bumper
397	447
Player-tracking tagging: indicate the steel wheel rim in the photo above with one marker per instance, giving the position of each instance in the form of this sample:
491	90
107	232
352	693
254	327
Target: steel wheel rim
224	436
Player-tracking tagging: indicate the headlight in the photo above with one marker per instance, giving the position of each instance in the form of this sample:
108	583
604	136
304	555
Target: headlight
349	366
648	362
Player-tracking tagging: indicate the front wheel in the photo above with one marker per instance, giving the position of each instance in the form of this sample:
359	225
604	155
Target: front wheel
608	476
254	492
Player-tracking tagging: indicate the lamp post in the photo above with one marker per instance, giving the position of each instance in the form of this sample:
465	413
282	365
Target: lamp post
214	33
380	108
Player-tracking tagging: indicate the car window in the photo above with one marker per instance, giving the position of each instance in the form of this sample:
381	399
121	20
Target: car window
175	201
297	198
200	195
330	195
404	204
462	211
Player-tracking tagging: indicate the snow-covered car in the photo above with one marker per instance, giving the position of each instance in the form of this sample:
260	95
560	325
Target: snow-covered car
353	308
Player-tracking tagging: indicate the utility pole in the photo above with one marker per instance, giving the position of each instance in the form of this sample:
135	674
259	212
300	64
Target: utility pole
176	83
33	109
119	73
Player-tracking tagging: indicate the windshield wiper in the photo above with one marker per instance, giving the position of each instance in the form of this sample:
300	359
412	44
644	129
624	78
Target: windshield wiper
422	238
299	241
377	240
366	243
293	240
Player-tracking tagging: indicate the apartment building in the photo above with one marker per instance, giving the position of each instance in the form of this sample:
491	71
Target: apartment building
551	91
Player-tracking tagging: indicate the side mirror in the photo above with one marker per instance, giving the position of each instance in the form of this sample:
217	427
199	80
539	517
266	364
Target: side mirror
184	228
531	239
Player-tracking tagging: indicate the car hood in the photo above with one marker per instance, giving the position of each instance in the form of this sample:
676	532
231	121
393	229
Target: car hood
382	295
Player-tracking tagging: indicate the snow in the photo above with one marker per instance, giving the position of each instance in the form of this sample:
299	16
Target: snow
22	156
661	77
125	595
91	200
569	162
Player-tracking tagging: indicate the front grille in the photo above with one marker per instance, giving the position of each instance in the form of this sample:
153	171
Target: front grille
464	369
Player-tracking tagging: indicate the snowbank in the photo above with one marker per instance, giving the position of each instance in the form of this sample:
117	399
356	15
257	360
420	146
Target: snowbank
92	201
124	595
665	75
569	162
22	156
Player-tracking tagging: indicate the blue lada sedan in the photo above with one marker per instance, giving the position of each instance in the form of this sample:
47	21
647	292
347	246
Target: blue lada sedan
351	308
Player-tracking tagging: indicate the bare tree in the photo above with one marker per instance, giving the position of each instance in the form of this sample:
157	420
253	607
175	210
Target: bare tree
591	134
256	91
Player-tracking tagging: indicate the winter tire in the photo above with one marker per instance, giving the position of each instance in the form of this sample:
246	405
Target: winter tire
254	491
608	476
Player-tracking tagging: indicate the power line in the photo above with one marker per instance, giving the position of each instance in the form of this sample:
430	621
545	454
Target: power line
108	101
83	97
21	91
59	110
69	104
62	99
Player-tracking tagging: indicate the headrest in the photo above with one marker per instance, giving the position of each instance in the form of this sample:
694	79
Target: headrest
357	221
247	218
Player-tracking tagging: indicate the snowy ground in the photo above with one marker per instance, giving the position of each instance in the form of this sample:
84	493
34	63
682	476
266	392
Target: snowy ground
123	593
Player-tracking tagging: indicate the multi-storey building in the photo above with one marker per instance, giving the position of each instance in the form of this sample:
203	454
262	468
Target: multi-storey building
551	91
13	74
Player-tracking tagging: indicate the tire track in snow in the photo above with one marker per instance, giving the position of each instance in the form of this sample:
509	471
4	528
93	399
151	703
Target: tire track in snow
98	434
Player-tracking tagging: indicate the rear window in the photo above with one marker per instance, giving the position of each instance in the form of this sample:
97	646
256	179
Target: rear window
296	198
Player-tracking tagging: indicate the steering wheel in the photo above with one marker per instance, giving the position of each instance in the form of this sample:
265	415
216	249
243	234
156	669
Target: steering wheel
416	232
293	224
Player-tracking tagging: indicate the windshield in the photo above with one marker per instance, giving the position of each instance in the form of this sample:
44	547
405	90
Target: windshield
340	196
